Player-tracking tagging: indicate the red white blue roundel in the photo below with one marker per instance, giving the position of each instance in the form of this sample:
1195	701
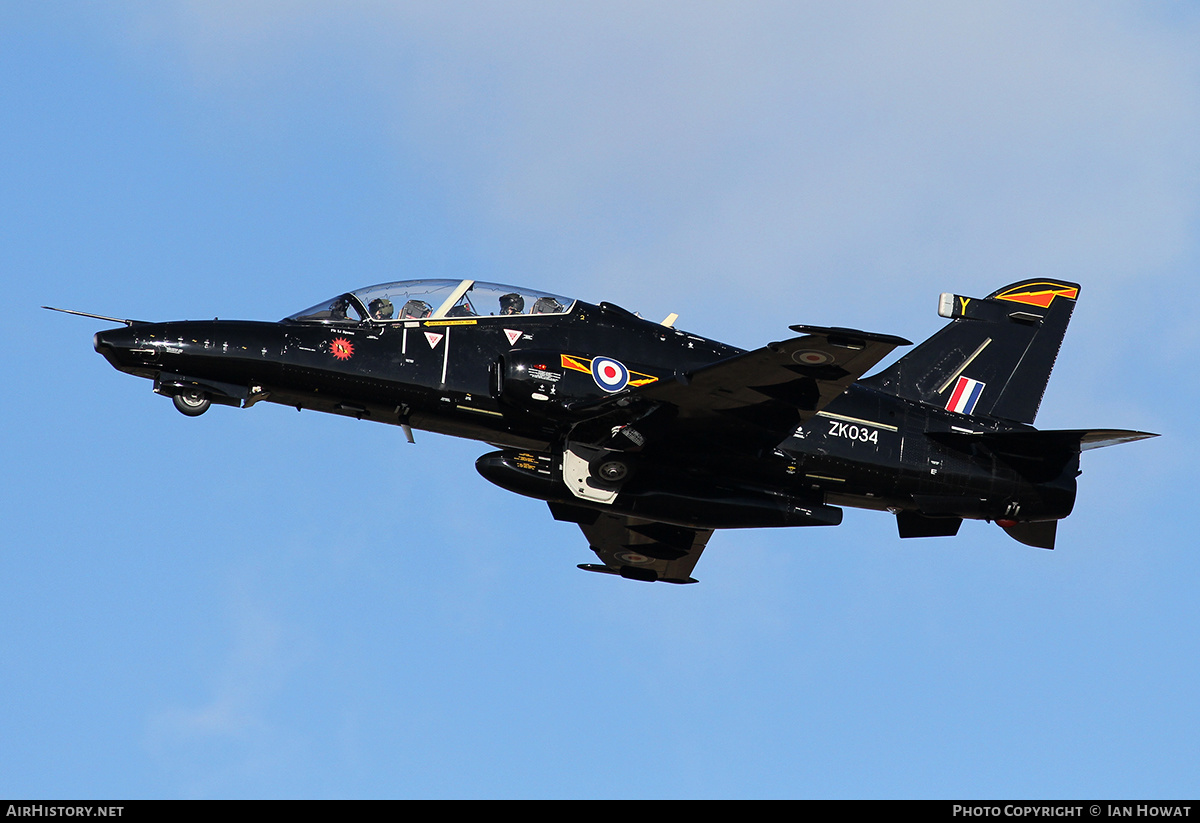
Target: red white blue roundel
610	375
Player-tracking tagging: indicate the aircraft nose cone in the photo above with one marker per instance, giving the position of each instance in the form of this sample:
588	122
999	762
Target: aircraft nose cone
114	344
101	341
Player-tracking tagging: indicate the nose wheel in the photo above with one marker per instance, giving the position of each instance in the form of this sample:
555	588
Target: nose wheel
192	403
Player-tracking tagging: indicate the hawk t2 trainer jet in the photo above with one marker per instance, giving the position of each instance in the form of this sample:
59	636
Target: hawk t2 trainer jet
651	438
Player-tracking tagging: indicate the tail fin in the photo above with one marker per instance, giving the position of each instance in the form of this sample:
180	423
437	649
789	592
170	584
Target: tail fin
994	358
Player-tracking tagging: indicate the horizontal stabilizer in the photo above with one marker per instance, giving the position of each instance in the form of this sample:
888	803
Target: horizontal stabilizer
1031	443
1099	438
1039	456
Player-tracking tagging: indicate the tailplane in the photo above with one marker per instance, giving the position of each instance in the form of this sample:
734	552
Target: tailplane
994	357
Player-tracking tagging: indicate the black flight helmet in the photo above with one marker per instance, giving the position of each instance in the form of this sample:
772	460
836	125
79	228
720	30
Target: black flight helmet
512	303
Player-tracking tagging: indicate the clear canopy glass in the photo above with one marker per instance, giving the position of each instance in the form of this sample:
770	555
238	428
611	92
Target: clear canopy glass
433	299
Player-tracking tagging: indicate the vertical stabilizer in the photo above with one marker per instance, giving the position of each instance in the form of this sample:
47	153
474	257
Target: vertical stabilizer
994	357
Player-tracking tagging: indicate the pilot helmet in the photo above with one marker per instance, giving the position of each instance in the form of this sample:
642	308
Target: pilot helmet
381	308
512	303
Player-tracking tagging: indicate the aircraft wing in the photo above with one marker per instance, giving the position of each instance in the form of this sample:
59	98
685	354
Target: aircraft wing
761	396
644	549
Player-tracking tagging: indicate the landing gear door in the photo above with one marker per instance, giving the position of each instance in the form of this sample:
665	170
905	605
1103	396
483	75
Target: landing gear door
583	483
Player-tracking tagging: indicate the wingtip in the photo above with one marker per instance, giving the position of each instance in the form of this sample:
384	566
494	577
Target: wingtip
855	334
626	573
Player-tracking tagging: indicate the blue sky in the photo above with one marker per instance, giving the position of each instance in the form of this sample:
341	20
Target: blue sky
262	603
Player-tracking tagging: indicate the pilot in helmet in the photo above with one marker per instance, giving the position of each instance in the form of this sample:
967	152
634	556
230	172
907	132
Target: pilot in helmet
512	303
381	308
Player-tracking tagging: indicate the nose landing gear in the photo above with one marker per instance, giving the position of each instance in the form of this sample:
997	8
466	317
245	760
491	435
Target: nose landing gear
193	403
192	396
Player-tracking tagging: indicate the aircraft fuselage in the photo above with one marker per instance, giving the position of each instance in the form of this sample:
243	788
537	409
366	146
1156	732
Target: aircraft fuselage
519	382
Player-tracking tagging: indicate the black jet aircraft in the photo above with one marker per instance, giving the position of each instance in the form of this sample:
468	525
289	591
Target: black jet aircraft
650	438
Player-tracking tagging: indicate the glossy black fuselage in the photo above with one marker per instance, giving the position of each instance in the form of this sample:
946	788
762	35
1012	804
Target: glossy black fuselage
518	383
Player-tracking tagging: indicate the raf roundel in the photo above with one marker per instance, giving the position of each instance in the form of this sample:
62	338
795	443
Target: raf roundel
811	357
610	375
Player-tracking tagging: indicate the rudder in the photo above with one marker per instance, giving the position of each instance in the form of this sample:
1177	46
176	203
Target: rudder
994	357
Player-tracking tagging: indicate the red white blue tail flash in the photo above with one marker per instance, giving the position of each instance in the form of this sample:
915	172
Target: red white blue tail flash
965	395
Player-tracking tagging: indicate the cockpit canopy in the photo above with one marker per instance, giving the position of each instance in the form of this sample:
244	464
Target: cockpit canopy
432	299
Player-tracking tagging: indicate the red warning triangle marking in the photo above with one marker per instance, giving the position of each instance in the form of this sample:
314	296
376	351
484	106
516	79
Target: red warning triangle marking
434	338
513	336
